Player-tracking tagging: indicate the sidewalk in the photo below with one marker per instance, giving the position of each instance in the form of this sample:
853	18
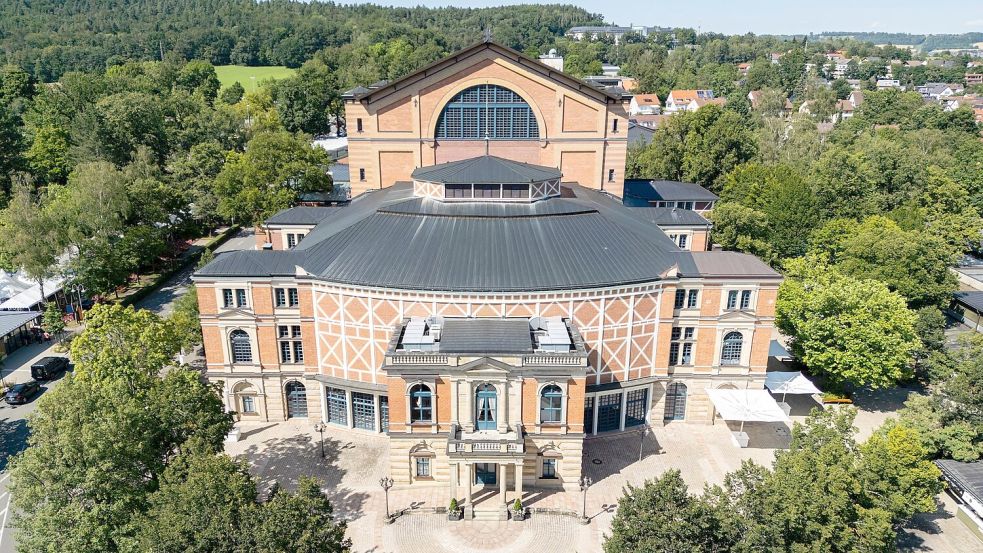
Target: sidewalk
16	367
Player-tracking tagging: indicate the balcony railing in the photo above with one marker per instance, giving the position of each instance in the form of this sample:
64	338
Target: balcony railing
458	444
404	359
542	360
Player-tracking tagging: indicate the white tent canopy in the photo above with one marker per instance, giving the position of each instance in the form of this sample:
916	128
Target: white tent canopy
790	383
746	405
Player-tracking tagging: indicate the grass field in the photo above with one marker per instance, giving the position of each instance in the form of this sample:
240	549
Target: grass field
228	74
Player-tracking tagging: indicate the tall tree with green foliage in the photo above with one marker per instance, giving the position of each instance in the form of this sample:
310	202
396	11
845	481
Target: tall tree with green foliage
101	440
851	330
267	177
29	242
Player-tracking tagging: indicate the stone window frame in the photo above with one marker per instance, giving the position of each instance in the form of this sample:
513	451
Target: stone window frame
253	346
549	453
422	450
747	336
430	385
563	403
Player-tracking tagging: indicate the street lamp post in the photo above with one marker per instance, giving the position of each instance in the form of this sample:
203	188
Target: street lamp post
585	483
319	428
386	483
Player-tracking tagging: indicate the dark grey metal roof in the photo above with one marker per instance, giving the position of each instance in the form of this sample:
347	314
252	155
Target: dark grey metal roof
253	263
967	477
486	336
973	300
301	215
583	239
12	320
670	216
726	264
667	190
486	170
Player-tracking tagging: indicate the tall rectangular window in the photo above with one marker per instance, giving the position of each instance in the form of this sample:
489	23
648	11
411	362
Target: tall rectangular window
681	346
358	125
290	344
337	406
745	299
682	241
614	126
363	410
240	297
227	300
732	299
422	467
293	298
549	468
361	175
281	297
692	299
291	240
680	299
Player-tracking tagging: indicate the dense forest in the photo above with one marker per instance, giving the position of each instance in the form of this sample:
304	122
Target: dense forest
51	37
925	43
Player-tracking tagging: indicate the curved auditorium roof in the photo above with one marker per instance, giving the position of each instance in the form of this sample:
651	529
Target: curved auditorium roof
391	239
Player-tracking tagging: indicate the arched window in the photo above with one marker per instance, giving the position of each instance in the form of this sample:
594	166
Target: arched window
242	351
421	404
731	352
296	399
551	404
487	111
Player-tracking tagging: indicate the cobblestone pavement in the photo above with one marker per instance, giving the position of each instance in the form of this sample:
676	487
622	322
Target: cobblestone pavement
435	534
354	462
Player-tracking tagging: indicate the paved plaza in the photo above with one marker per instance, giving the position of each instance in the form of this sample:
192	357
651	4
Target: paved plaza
354	462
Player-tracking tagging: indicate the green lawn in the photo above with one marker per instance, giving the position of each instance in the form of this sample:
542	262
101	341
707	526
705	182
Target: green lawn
228	74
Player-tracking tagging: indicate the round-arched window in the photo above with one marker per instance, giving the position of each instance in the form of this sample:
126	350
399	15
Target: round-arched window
242	351
421	404
551	404
731	352
487	111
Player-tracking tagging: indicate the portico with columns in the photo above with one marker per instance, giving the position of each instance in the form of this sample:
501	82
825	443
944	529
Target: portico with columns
492	407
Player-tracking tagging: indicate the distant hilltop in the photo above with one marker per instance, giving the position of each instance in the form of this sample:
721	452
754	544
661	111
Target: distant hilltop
925	43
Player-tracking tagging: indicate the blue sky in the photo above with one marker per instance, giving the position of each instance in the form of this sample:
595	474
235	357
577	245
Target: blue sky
773	16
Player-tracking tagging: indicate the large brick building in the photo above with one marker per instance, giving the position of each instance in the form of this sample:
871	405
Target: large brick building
485	313
487	99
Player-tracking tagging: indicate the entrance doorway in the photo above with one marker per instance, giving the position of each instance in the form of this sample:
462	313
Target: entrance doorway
296	400
675	402
485	473
486	407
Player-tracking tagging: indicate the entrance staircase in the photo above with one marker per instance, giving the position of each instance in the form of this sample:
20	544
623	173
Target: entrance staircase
489	512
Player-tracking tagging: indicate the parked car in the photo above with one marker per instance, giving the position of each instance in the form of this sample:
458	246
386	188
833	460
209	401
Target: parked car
19	394
48	367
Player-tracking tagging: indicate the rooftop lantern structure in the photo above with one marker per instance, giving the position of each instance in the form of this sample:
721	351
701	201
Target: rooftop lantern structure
486	179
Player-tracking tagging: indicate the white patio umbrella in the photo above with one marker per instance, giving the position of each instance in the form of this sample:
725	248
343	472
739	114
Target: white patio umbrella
746	406
793	382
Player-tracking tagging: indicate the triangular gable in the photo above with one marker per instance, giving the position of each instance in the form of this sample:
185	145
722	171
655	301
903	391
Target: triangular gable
486	365
517	57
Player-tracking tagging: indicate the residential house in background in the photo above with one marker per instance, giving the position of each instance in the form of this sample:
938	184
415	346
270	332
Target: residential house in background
645	104
690	100
611	31
884	84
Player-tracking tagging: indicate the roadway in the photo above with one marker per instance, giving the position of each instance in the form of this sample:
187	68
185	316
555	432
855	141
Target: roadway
16	368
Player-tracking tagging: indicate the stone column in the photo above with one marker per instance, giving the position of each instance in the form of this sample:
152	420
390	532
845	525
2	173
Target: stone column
453	480
469	505
518	480
502	477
